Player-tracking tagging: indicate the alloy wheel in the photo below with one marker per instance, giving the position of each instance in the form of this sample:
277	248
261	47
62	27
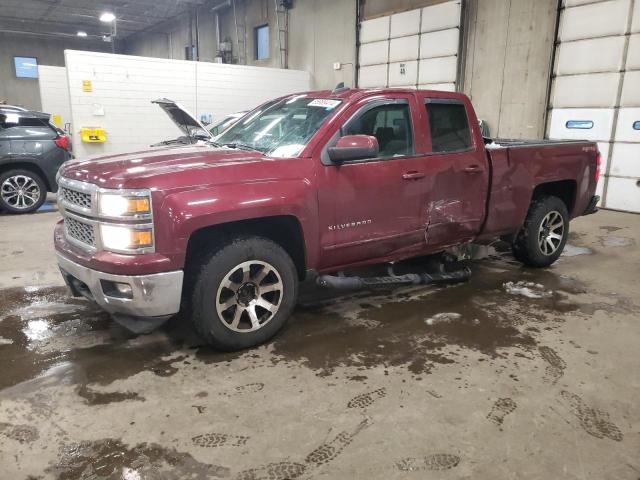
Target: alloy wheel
20	192
249	296
551	233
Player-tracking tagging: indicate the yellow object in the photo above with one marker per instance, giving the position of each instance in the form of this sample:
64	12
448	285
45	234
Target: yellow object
87	86
93	135
56	120
141	238
138	205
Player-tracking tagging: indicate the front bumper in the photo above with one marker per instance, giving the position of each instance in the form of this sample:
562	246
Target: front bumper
155	295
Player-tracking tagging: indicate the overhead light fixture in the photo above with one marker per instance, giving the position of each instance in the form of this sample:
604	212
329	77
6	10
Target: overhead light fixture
107	17
81	33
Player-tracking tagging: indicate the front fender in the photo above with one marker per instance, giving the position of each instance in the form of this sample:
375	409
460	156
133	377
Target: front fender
186	212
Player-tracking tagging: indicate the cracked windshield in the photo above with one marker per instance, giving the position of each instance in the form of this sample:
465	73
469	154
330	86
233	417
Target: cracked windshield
283	128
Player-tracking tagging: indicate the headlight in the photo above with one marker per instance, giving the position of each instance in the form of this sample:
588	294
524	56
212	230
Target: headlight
126	239
131	205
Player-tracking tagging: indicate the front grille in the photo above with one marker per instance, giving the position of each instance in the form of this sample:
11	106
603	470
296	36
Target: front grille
80	231
73	197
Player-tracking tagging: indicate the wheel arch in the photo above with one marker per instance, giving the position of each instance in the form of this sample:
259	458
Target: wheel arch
565	190
26	165
284	230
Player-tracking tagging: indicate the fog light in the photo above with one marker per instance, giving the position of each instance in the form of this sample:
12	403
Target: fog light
116	289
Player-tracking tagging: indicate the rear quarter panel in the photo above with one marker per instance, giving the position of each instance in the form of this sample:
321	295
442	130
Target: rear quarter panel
516	172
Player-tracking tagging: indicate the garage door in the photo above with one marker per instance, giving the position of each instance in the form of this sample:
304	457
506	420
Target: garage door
596	91
417	48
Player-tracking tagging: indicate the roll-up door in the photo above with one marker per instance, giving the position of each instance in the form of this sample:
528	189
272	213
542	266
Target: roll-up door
417	48
596	91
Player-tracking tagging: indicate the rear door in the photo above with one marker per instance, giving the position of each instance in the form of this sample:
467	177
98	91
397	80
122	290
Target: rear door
458	177
371	208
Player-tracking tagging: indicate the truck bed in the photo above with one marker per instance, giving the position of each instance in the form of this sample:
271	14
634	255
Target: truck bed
492	143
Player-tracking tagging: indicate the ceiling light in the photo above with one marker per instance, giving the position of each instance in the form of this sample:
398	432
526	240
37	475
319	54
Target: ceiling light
107	17
81	33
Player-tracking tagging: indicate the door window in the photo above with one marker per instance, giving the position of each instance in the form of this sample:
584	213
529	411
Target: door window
390	124
449	127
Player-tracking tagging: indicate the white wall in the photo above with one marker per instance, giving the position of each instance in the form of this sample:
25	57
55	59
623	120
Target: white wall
54	92
124	86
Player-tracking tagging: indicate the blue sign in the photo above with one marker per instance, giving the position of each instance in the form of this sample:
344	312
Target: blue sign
581	124
636	125
26	67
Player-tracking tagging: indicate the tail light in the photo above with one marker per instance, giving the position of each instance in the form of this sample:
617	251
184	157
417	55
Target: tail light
63	142
598	165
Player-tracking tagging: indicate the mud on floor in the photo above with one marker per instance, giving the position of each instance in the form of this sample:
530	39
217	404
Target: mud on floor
504	312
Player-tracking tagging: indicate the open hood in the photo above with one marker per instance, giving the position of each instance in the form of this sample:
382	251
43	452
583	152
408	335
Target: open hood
186	122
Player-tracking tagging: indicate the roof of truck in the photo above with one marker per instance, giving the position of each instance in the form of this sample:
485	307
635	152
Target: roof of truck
356	93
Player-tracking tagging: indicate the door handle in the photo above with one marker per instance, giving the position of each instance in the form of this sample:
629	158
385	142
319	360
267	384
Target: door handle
473	169
413	175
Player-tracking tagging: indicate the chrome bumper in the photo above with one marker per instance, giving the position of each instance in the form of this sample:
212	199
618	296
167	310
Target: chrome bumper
155	295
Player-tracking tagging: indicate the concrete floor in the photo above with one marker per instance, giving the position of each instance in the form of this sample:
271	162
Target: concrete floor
485	380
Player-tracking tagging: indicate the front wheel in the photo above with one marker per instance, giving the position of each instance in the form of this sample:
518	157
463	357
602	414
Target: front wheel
244	293
21	191
544	234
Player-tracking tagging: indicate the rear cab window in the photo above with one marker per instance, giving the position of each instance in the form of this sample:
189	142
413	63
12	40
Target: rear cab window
448	126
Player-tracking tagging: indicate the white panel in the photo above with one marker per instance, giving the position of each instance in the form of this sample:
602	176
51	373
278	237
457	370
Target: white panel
624	129
594	90
602	119
603	148
54	92
403	73
444	87
625	160
594	20
404	48
373	76
405	23
631	89
374	30
578	57
635	23
633	54
623	194
374	53
438	70
440	17
439	44
125	86
573	3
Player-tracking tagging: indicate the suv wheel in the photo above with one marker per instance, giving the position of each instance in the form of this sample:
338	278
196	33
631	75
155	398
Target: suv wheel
21	191
544	233
244	293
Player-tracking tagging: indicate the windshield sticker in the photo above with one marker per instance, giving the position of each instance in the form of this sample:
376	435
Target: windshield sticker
325	103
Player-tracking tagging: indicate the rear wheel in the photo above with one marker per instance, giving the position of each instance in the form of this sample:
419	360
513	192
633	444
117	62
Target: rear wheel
21	191
544	233
244	293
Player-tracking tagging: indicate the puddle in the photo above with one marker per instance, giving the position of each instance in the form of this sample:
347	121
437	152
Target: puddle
527	289
111	458
426	326
615	241
572	251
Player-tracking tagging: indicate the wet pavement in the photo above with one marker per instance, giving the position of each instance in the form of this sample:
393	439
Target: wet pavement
517	373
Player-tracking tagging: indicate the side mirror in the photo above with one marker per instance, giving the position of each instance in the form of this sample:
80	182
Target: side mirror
354	147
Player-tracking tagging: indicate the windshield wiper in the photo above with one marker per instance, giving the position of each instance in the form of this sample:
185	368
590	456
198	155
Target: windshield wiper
241	146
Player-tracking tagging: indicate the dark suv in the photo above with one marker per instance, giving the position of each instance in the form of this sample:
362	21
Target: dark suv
31	151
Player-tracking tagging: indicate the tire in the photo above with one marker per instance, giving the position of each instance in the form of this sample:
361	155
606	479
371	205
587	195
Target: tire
222	289
21	191
538	244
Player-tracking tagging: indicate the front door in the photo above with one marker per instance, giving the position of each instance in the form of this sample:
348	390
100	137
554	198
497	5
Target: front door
371	208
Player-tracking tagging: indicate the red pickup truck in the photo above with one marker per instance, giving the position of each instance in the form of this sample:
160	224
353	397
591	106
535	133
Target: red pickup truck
307	184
